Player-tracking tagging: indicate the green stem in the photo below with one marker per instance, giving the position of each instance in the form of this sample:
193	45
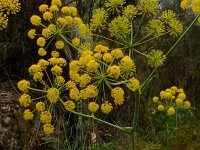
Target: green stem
102	121
109	39
68	42
38	90
169	51
135	119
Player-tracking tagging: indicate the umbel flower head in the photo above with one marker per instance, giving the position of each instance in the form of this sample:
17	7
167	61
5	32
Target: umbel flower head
8	7
56	23
98	71
170	101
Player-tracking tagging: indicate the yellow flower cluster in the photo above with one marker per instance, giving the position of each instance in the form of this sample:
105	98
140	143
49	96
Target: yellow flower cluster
106	107
155	58
170	100
69	105
8	7
97	71
23	85
48	129
25	100
53	95
55	20
195	5
45	117
93	107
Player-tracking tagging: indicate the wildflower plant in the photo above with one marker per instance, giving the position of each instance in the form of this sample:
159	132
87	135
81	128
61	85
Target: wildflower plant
100	75
170	109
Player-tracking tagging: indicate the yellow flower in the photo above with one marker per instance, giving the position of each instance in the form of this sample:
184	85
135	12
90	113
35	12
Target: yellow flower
167	15
148	7
179	101
170	111
161	107
86	52
46	33
180	90
97	56
34	68
74	76
74	66
118	94
117	53
42	52
59	44
84	80
114	4
35	20
56	2
61	21
78	21
91	91
40	106
23	85
93	107
182	96
167	95
70	85
133	84
59	80
130	12
86	59
114	71
69	20
27	115
156	58
25	100
127	63
174	88
186	104
107	57
98	20
155	99
119	27
76	41
65	10
196	6
43	64
61	62
156	27
38	76
53	95
32	33
48	129
176	28
53	8
73	11
47	16
74	94
55	54
41	41
184	4
69	105
92	66
43	8
56	70
52	28
106	107
45	117
101	49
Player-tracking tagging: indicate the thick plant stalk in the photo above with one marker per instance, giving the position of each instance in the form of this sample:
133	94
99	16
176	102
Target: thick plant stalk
135	119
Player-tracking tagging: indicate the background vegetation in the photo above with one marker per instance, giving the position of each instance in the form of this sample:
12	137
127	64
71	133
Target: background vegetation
182	68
